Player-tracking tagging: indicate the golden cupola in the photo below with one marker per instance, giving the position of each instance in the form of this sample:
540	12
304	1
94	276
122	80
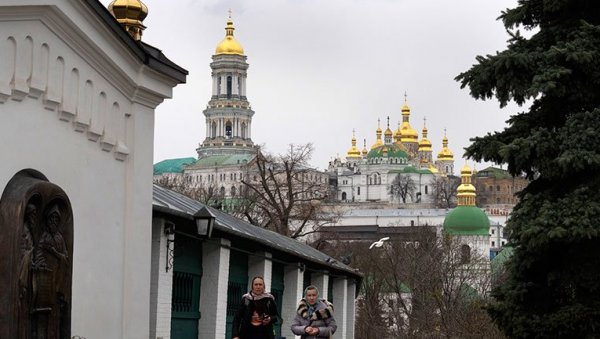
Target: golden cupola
378	141
388	134
229	45
365	151
353	152
398	134
445	153
424	144
407	133
466	191
130	14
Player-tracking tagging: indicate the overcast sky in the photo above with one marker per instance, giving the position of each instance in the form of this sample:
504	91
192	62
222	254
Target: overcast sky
321	68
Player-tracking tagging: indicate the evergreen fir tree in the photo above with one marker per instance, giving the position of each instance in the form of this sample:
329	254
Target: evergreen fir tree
553	288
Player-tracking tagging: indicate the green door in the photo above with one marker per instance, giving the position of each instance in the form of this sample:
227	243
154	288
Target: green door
237	286
187	271
277	288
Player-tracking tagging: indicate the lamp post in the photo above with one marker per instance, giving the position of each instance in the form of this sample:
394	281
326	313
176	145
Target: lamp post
205	222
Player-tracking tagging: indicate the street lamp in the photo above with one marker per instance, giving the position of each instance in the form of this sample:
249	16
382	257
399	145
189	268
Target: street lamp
205	222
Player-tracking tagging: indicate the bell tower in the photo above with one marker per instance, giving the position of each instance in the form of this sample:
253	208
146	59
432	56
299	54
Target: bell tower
228	114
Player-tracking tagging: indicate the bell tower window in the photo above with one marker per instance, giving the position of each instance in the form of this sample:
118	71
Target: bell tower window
228	129
229	83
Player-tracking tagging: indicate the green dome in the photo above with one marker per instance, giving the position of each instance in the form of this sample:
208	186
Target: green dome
467	220
393	151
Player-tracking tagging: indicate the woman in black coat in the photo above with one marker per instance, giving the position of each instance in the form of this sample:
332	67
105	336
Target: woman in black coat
256	315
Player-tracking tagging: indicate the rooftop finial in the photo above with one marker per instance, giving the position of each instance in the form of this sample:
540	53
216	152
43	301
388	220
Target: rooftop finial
130	14
229	13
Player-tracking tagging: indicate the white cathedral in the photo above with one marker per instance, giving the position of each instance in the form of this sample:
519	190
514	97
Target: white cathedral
367	175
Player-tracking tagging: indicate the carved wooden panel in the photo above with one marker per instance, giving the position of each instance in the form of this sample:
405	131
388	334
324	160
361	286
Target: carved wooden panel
36	256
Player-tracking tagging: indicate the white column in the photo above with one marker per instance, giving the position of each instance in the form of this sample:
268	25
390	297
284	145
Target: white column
215	84
223	84
351	307
320	281
207	128
234	84
161	283
260	265
293	280
340	303
213	290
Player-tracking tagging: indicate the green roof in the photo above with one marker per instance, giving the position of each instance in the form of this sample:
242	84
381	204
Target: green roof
412	169
493	172
467	220
223	160
393	151
172	165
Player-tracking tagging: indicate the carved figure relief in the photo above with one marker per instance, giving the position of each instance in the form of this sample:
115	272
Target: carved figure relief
36	217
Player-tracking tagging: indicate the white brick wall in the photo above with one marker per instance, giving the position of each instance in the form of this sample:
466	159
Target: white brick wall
213	290
321	281
293	279
350	313
160	298
260	265
340	298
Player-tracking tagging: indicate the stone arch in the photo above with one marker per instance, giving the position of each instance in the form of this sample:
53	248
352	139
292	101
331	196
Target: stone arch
36	222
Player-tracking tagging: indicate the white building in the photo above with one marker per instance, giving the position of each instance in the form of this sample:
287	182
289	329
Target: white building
198	280
77	100
396	170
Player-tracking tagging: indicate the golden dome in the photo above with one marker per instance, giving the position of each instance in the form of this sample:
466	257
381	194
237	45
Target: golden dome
445	153
407	133
378	141
398	133
365	151
353	152
424	144
466	191
433	169
229	45
130	14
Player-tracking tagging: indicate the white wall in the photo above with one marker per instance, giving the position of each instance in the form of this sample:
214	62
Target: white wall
55	77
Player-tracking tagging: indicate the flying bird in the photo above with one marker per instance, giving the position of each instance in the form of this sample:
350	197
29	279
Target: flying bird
379	242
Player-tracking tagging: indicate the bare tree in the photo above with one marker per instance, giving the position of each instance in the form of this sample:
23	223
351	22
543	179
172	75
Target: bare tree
444	191
403	187
428	287
287	194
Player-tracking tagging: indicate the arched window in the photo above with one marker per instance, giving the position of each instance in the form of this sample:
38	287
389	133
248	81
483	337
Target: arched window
465	254
229	87
344	196
426	189
222	191
228	130
233	191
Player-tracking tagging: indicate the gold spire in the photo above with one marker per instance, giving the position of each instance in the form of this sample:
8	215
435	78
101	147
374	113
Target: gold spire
353	152
466	191
424	144
445	153
130	14
378	142
229	45
407	133
364	150
388	131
